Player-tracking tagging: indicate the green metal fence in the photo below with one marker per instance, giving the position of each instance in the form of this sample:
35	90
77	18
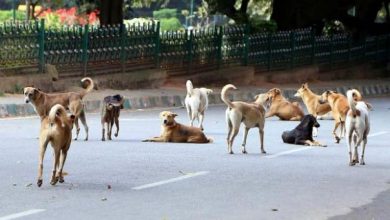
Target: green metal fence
110	49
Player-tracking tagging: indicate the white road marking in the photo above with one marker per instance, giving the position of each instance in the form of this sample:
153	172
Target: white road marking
22	214
139	119
190	175
377	134
288	152
18	118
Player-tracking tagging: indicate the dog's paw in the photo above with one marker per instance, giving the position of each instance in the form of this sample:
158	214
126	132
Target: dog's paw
39	183
337	140
146	140
231	152
103	139
263	152
352	163
61	179
54	181
75	139
244	151
116	134
362	163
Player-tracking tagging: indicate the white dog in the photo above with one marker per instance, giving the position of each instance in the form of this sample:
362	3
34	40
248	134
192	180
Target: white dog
357	126
196	103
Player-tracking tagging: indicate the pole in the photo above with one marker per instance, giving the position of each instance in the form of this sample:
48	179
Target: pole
191	12
13	10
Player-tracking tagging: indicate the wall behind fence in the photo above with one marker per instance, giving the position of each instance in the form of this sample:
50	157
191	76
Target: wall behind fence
86	50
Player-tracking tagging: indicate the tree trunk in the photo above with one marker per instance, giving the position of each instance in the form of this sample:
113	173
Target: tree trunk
28	13
111	12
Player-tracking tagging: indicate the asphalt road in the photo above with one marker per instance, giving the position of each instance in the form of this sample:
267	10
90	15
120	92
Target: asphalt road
129	179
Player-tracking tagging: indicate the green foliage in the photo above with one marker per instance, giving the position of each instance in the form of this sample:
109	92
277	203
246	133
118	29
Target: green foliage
333	27
165	13
168	24
259	25
7	15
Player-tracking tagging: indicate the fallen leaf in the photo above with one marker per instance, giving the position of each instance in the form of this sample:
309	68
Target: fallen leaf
104	199
274	210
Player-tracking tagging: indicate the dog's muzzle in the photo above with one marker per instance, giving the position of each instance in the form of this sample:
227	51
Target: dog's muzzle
317	125
26	100
165	121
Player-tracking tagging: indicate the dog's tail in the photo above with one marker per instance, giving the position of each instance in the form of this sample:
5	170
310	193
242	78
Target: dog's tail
58	112
88	87
353	95
224	95
190	87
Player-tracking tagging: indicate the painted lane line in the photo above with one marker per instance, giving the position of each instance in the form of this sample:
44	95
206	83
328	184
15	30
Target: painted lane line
140	119
163	182
377	134
288	152
22	214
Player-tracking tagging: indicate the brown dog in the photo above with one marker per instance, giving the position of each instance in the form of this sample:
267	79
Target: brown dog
56	128
171	131
340	107
111	108
311	101
43	102
251	114
282	108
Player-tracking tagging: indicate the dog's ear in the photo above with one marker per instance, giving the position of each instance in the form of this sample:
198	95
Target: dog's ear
256	97
369	106
209	91
174	115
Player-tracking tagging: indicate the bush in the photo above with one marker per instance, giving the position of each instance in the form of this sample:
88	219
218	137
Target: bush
165	13
259	25
7	15
170	24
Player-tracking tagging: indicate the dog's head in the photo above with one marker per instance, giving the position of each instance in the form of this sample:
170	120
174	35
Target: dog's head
263	99
301	90
325	96
273	93
310	121
168	118
31	94
121	100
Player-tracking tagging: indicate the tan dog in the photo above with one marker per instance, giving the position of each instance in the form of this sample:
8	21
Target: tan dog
56	129
340	107
251	114
171	131
111	108
311	101
43	102
282	108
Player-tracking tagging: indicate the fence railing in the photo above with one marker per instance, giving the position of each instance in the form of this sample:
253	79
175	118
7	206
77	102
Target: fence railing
93	50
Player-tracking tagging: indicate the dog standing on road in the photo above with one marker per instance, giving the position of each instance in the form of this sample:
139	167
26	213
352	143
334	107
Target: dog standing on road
196	103
56	129
43	102
282	108
171	131
302	134
251	114
357	126
111	108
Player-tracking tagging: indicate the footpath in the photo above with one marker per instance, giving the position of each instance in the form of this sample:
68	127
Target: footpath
171	95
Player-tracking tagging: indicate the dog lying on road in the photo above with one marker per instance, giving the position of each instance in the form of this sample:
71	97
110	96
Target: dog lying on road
282	108
43	102
302	134
251	114
357	126
111	108
56	129
196	103
171	131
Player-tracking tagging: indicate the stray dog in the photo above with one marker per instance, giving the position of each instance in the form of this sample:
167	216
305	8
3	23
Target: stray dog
313	106
282	108
251	114
196	103
56	128
302	134
43	102
357	125
111	108
339	106
171	131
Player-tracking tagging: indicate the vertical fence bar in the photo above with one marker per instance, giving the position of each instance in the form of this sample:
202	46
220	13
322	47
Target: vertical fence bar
331	52
41	43
313	46
246	45
85	49
269	58
157	41
189	48
292	49
219	33
123	51
349	38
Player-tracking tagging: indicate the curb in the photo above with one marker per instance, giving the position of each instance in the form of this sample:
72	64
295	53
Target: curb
19	110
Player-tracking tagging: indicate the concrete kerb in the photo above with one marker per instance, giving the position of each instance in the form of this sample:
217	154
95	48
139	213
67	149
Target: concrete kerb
134	103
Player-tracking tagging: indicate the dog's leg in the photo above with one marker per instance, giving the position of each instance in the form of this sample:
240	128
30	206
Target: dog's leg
349	143
243	150
230	128
109	128
42	150
261	132
84	122
103	131
76	124
363	149
155	139
201	118
61	167
117	126
54	177
315	132
356	153
232	136
189	112
336	125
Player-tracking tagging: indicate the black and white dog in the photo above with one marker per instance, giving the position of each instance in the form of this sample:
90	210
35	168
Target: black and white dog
302	134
